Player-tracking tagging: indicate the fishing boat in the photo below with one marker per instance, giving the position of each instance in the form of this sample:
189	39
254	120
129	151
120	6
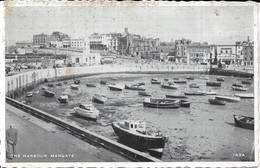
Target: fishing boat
155	81
143	93
65	82
99	98
63	98
245	95
244	121
228	98
194	85
135	135
141	83
166	79
180	81
59	84
190	78
161	103
204	78
91	84
217	102
185	103
217	84
116	87
76	81
176	96
44	88
221	79
246	82
74	87
87	111
50	85
114	78
237	85
207	92
194	93
175	78
169	86
29	94
48	93
103	82
135	87
239	88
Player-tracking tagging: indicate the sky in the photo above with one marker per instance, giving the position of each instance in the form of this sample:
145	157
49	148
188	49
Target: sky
215	25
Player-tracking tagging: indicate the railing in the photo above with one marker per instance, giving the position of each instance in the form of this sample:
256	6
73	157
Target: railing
84	134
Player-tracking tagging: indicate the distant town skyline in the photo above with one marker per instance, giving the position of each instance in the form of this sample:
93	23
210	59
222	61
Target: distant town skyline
215	25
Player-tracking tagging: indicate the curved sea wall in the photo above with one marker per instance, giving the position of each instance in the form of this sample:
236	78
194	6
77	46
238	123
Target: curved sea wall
18	84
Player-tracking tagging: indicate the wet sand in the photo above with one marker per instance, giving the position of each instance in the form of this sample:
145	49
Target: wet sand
203	132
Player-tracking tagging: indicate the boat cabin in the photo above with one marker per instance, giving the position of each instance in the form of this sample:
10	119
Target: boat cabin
138	126
86	106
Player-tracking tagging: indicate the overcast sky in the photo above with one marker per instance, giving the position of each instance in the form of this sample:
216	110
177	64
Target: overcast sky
215	25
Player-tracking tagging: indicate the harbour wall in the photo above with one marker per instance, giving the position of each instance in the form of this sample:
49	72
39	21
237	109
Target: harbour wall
18	84
228	72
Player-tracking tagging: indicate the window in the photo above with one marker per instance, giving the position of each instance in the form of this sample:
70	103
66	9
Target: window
86	59
77	60
131	125
227	51
135	126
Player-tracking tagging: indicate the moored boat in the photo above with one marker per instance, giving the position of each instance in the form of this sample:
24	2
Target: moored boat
175	78
246	82
87	111
207	92
244	121
143	93
185	103
135	135
161	103
194	93
63	98
103	82
76	81
135	87
44	88
166	79
245	95
29	94
217	84
141	83
114	78
91	84
217	102
204	77
237	85
50	85
59	84
177	96
155	81
220	79
190	78
116	87
180	81
239	88
228	98
75	87
99	98
48	93
169	86
194	85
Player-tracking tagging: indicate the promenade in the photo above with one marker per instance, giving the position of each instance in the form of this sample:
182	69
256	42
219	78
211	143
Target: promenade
39	141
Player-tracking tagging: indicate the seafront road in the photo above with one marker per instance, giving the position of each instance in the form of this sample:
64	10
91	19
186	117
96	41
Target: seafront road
39	141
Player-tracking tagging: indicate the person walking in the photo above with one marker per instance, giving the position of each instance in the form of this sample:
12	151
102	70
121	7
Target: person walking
11	138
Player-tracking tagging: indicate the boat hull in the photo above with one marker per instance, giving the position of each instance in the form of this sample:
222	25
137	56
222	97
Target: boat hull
242	124
139	142
175	104
194	93
215	84
98	100
48	93
228	99
177	96
216	102
115	88
62	100
169	87
134	88
88	115
245	96
144	94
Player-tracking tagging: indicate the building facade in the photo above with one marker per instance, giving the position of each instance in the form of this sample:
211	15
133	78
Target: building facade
181	50
100	41
77	43
198	53
245	53
226	54
42	40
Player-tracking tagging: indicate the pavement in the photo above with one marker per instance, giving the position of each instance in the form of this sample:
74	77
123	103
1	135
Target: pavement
39	141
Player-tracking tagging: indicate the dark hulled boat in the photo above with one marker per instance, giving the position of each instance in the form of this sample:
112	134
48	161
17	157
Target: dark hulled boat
50	85
103	82
190	78
195	93
135	87
76	81
194	85
48	93
244	121
99	98
155	81
161	103
246	82
91	84
169	86
220	79
143	93
217	84
59	84
177	96
185	103
135	135
180	81
217	102
116	87
237	85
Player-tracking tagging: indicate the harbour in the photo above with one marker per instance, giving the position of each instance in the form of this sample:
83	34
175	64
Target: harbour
181	125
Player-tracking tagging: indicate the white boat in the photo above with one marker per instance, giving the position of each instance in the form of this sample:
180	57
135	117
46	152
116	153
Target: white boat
208	92
204	78
239	88
228	98
75	87
245	95
116	87
63	98
87	111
